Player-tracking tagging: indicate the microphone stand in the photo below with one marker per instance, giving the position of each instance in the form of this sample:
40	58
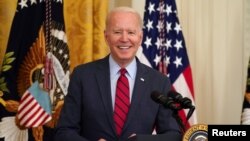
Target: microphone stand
179	120
190	112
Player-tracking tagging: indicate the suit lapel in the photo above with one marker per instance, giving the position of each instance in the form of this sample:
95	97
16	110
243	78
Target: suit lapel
102	76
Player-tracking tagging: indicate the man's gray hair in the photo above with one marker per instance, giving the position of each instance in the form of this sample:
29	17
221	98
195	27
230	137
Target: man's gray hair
125	9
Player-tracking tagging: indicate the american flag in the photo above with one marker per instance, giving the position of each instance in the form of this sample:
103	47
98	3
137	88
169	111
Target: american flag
163	48
35	107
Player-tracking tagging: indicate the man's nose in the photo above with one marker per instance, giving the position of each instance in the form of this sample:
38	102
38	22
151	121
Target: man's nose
124	36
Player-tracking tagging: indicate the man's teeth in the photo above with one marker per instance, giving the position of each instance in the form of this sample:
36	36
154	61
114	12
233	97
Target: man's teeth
123	47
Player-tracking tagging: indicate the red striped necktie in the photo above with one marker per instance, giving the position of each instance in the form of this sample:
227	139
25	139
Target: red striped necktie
122	101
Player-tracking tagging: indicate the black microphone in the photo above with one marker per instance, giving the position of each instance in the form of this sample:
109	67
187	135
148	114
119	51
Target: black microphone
185	102
167	102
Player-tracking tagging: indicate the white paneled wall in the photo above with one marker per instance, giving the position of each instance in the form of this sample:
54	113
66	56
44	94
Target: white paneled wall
214	35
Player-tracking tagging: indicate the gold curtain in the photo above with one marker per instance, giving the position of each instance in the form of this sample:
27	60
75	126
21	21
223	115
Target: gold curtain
7	11
85	23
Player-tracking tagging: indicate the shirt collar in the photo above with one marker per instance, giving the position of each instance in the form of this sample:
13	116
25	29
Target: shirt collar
114	68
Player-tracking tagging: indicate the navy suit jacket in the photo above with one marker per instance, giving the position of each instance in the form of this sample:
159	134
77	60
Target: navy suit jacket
87	114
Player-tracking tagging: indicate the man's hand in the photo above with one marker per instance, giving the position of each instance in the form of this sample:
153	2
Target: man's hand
132	135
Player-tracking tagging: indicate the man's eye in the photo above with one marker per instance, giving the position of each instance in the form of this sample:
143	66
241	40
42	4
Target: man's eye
117	32
131	33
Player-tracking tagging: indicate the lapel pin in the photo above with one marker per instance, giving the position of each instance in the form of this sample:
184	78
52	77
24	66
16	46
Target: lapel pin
142	79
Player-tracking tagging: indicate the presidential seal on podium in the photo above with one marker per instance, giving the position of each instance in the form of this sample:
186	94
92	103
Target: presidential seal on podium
197	132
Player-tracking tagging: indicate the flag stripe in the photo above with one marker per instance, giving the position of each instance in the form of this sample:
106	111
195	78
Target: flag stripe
26	101
31	115
34	116
189	80
23	112
26	112
41	119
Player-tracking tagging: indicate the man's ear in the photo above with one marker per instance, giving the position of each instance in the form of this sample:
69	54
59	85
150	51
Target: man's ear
105	36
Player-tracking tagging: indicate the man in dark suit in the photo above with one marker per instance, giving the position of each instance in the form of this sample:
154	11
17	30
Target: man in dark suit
87	114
